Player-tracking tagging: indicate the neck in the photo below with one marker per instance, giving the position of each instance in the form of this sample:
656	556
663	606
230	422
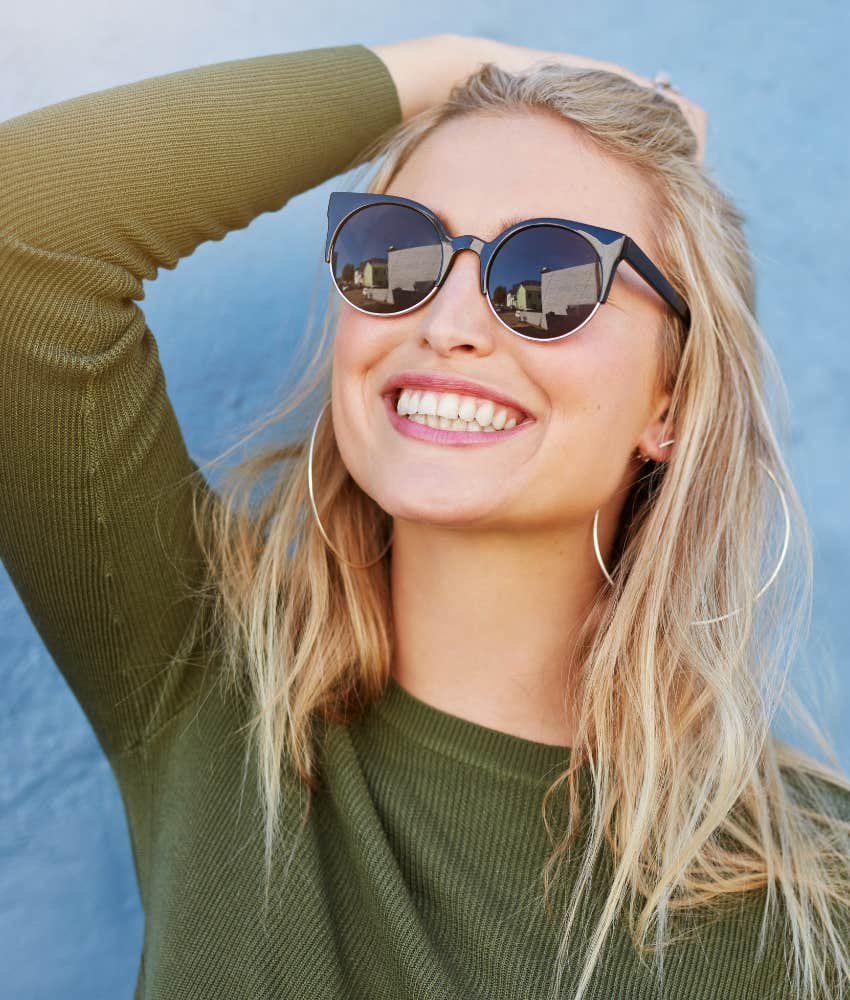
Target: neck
484	623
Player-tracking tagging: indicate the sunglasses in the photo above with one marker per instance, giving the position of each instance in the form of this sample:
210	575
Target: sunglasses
543	278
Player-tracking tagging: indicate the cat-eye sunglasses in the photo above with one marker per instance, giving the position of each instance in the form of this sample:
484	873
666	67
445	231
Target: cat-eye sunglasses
543	278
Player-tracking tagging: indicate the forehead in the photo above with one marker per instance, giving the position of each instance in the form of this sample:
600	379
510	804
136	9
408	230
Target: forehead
483	172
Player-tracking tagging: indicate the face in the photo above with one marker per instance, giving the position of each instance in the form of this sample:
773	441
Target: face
593	396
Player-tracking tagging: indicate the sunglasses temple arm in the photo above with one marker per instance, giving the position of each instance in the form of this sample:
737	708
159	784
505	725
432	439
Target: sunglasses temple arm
634	256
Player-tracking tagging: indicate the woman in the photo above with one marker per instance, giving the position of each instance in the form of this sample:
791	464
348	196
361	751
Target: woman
525	676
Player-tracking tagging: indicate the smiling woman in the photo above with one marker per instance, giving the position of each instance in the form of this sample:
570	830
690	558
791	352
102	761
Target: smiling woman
422	636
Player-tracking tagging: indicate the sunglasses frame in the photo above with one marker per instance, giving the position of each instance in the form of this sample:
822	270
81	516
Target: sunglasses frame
610	246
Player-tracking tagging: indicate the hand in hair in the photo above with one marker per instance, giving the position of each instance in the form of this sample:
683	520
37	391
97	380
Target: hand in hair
517	57
425	69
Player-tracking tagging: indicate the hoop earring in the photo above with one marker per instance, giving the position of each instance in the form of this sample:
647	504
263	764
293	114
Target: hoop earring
316	512
771	578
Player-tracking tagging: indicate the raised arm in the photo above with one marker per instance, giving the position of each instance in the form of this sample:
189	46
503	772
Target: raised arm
97	193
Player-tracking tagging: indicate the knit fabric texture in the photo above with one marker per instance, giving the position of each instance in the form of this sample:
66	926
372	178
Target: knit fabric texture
419	874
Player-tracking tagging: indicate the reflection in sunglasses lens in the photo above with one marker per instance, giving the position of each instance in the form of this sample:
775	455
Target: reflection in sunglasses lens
544	281
386	258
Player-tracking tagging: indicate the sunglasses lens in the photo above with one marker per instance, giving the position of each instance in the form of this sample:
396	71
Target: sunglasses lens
544	281
386	258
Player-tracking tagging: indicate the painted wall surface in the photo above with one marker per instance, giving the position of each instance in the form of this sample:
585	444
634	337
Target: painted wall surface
773	77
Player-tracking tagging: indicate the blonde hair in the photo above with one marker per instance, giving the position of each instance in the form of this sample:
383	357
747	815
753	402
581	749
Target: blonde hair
715	806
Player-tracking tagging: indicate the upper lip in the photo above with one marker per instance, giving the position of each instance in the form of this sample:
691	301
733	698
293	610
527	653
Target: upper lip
444	382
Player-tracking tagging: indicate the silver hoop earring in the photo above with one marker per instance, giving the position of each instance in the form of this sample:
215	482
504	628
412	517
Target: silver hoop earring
316	512
771	578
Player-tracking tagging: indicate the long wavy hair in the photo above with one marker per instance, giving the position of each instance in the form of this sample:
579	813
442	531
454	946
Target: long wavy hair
714	806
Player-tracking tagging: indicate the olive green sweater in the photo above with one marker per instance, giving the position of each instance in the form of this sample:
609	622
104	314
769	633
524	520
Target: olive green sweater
419	874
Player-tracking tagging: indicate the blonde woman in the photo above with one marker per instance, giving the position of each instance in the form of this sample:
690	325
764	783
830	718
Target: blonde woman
500	643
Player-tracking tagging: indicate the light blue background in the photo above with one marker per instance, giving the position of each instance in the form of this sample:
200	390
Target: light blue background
774	80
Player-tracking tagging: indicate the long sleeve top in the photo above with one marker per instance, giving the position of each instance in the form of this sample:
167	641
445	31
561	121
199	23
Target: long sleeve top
419	875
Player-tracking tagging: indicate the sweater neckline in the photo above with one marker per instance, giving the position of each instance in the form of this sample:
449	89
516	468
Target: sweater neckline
471	742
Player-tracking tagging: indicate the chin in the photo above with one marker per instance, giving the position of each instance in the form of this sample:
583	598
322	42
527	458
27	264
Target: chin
446	509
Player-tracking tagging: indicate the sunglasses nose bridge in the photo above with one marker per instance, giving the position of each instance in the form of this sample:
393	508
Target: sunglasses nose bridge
466	242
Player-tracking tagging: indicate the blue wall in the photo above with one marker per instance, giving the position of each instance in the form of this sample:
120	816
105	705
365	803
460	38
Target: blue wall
773	78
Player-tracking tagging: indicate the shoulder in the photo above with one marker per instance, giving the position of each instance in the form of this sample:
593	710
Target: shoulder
839	798
825	794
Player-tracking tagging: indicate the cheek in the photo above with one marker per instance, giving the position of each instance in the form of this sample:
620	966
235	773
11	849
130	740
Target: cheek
352	347
586	383
360	342
351	358
359	345
596	400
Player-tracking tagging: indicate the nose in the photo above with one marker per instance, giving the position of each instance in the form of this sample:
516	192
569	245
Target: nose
458	315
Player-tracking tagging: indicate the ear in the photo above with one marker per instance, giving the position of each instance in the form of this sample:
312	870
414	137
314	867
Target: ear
658	431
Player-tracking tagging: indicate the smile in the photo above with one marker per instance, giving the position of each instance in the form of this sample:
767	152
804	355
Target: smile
452	419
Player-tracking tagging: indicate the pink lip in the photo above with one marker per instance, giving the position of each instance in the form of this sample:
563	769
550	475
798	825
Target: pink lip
440	382
434	434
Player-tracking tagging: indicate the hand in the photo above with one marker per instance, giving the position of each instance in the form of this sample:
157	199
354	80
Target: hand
517	57
425	69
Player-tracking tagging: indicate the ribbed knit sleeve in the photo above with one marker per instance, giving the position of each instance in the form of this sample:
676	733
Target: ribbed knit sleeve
98	192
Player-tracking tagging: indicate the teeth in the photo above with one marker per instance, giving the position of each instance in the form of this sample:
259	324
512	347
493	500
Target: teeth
467	409
428	404
484	413
453	411
448	405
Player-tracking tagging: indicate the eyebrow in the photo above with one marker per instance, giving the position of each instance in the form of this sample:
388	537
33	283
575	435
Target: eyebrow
512	220
501	225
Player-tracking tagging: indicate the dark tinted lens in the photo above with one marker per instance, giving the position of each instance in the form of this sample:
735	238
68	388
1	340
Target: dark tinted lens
544	281
386	258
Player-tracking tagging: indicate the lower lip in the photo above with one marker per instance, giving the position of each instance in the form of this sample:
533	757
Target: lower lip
423	432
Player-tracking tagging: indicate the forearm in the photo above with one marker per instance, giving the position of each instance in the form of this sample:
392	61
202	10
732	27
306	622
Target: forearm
142	173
